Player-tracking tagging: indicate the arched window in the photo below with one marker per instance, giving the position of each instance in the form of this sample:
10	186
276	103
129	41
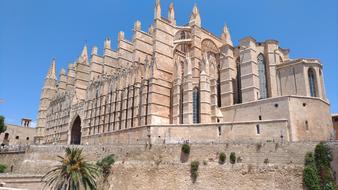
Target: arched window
181	95
182	35
196	105
312	82
263	90
238	87
219	100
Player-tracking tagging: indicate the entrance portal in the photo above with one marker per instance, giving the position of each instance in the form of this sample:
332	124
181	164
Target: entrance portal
75	135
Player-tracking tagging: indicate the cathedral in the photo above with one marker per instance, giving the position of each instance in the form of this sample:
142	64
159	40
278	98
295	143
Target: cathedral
174	84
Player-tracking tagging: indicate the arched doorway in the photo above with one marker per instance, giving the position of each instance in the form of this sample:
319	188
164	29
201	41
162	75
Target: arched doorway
75	135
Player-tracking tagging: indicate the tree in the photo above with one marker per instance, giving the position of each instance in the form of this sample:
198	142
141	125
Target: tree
2	124
73	173
311	179
105	165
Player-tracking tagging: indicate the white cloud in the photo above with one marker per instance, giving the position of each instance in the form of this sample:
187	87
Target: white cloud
33	124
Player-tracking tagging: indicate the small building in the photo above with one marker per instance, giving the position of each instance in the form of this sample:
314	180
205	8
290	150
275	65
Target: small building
335	124
18	135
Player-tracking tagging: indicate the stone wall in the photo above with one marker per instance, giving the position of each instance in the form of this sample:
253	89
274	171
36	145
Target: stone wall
18	135
39	159
253	131
211	176
161	166
313	124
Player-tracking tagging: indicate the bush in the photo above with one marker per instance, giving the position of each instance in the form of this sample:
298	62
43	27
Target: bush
330	186
2	168
317	172
222	158
232	158
322	159
194	170
311	179
105	165
266	161
322	156
309	159
185	148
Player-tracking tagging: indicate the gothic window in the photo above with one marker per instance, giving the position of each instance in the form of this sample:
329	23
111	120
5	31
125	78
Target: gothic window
312	82
219	100
196	105
263	90
181	104
182	35
181	95
238	87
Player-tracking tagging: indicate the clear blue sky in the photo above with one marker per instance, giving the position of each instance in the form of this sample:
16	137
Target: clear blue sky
33	32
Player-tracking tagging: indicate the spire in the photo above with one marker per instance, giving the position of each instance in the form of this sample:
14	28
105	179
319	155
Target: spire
195	18
171	14
94	50
157	14
52	70
226	35
63	72
107	43
84	55
120	36
137	25
151	29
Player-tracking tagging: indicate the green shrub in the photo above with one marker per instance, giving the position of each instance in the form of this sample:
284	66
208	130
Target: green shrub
323	158
317	172
309	159
330	186
205	162
232	158
105	165
311	178
266	161
185	148
2	168
222	158
194	170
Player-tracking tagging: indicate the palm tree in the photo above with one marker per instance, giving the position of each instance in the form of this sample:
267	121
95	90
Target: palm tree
73	173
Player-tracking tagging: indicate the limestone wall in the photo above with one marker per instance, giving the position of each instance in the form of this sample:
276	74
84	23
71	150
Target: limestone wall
40	159
134	176
308	118
18	135
253	131
161	167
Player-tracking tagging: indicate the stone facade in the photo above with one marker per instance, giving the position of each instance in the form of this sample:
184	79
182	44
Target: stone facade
335	124
161	166
18	135
185	83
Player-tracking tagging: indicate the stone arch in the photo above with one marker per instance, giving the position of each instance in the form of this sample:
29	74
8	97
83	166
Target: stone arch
75	131
182	34
209	46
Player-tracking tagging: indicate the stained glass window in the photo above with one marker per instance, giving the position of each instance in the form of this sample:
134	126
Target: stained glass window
262	77
196	105
312	82
238	83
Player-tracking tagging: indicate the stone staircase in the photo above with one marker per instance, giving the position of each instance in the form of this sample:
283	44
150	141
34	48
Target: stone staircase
16	181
